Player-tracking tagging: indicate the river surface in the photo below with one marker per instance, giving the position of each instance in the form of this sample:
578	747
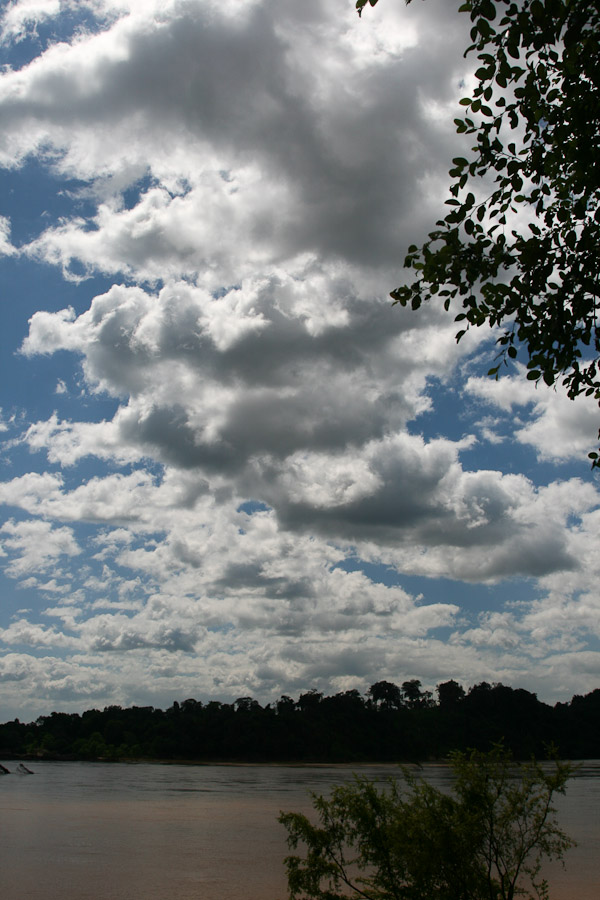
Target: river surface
94	831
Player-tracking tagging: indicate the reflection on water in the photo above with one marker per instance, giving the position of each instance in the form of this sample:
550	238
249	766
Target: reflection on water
92	831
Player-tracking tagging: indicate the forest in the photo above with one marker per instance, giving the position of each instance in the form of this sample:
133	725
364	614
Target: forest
390	723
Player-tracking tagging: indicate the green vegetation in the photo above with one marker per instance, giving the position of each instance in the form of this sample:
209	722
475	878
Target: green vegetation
520	246
390	723
407	840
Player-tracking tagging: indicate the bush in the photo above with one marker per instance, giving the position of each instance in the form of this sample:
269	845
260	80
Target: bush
406	840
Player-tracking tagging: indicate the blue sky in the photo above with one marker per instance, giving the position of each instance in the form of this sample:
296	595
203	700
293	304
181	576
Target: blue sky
229	466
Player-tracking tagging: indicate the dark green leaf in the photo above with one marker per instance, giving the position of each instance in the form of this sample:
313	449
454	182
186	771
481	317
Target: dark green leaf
538	280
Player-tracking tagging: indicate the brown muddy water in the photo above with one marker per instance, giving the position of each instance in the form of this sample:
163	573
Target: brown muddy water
92	831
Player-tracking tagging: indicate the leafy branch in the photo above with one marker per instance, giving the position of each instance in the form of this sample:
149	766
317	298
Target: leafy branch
526	257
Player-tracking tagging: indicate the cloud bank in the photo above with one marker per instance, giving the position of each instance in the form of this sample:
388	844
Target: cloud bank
254	511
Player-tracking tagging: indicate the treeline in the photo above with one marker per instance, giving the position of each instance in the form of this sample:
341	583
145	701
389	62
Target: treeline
390	723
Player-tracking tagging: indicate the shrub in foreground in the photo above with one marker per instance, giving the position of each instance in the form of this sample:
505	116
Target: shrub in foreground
404	839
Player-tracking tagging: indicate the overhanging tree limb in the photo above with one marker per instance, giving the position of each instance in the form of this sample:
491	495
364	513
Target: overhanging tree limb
524	253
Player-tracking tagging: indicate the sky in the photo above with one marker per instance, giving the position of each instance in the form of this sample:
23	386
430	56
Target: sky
229	466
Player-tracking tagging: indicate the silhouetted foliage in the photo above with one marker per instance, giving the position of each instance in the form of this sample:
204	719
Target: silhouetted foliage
386	694
407	840
520	246
390	723
413	696
450	693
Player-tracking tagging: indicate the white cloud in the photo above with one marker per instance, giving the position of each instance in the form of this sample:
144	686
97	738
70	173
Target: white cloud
276	156
36	546
249	173
556	427
21	15
217	382
25	633
6	247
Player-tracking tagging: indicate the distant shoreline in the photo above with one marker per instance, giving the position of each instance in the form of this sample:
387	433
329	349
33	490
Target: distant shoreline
344	729
300	764
231	763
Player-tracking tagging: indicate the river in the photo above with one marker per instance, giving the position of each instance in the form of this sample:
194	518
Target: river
93	831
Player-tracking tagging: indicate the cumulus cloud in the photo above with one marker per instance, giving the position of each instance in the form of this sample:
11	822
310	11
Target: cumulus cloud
35	546
556	427
306	417
257	127
287	363
246	174
29	635
20	16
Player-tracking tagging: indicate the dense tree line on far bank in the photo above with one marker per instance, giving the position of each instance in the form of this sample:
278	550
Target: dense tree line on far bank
388	724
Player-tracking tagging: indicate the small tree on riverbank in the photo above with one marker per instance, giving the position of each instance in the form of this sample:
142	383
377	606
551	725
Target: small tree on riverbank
406	840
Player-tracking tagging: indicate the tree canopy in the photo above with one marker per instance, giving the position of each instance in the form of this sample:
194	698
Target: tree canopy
520	246
408	840
384	725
